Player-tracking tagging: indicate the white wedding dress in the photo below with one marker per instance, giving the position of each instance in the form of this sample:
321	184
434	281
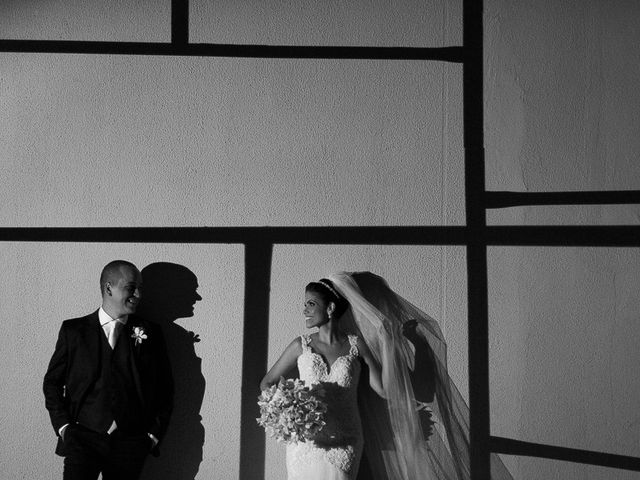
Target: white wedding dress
335	453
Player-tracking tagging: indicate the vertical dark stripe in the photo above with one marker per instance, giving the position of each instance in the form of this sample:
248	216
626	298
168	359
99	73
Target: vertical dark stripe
478	363
180	22
254	356
476	248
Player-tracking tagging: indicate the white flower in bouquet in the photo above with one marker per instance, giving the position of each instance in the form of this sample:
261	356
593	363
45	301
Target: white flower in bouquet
290	412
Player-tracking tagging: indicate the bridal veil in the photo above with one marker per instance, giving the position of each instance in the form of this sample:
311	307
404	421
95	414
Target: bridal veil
421	430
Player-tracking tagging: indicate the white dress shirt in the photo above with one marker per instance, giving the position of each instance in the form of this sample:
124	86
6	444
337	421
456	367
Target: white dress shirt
108	324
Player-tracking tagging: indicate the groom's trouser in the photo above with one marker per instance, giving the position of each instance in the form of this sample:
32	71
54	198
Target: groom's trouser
119	456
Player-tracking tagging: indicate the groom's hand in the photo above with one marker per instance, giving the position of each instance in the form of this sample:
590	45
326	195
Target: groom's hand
62	431
154	440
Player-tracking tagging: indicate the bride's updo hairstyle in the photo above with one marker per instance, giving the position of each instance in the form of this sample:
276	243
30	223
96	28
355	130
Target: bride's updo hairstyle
328	293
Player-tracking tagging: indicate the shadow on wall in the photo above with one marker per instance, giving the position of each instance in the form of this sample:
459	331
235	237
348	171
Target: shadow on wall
169	293
422	377
424	372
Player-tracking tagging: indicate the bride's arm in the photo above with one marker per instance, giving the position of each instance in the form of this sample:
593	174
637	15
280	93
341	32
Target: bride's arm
375	376
285	363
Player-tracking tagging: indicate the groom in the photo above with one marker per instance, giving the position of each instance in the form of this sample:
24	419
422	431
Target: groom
108	388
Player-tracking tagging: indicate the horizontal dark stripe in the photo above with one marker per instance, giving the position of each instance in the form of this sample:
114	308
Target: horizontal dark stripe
597	236
579	236
274	235
515	199
448	54
517	447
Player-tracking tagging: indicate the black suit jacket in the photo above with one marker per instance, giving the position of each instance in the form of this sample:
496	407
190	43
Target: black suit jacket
75	367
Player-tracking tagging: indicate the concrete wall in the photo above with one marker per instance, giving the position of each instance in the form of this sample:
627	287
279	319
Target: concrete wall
561	115
152	141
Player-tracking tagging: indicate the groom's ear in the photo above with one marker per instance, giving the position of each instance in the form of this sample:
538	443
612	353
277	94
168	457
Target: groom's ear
107	288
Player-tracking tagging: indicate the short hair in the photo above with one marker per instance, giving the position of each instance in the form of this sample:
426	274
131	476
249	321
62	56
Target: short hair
110	270
325	288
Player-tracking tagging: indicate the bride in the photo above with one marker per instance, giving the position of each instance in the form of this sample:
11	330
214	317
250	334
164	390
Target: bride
406	420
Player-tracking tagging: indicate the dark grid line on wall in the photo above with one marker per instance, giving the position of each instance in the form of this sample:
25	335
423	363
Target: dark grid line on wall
476	235
477	282
446	54
513	235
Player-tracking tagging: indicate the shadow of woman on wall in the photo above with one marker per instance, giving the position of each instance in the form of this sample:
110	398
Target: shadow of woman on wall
169	293
422	376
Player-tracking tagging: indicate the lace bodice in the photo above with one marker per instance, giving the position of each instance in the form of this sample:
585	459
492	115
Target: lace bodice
314	369
335	452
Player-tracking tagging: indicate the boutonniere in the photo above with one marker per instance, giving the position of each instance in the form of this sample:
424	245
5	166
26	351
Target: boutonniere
139	335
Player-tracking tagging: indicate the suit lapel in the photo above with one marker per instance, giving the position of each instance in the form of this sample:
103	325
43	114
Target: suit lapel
134	353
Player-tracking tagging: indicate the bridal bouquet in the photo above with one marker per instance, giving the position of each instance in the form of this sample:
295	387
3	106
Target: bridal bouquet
290	412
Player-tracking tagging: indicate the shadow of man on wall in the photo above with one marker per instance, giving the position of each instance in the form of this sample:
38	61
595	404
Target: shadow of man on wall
169	294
